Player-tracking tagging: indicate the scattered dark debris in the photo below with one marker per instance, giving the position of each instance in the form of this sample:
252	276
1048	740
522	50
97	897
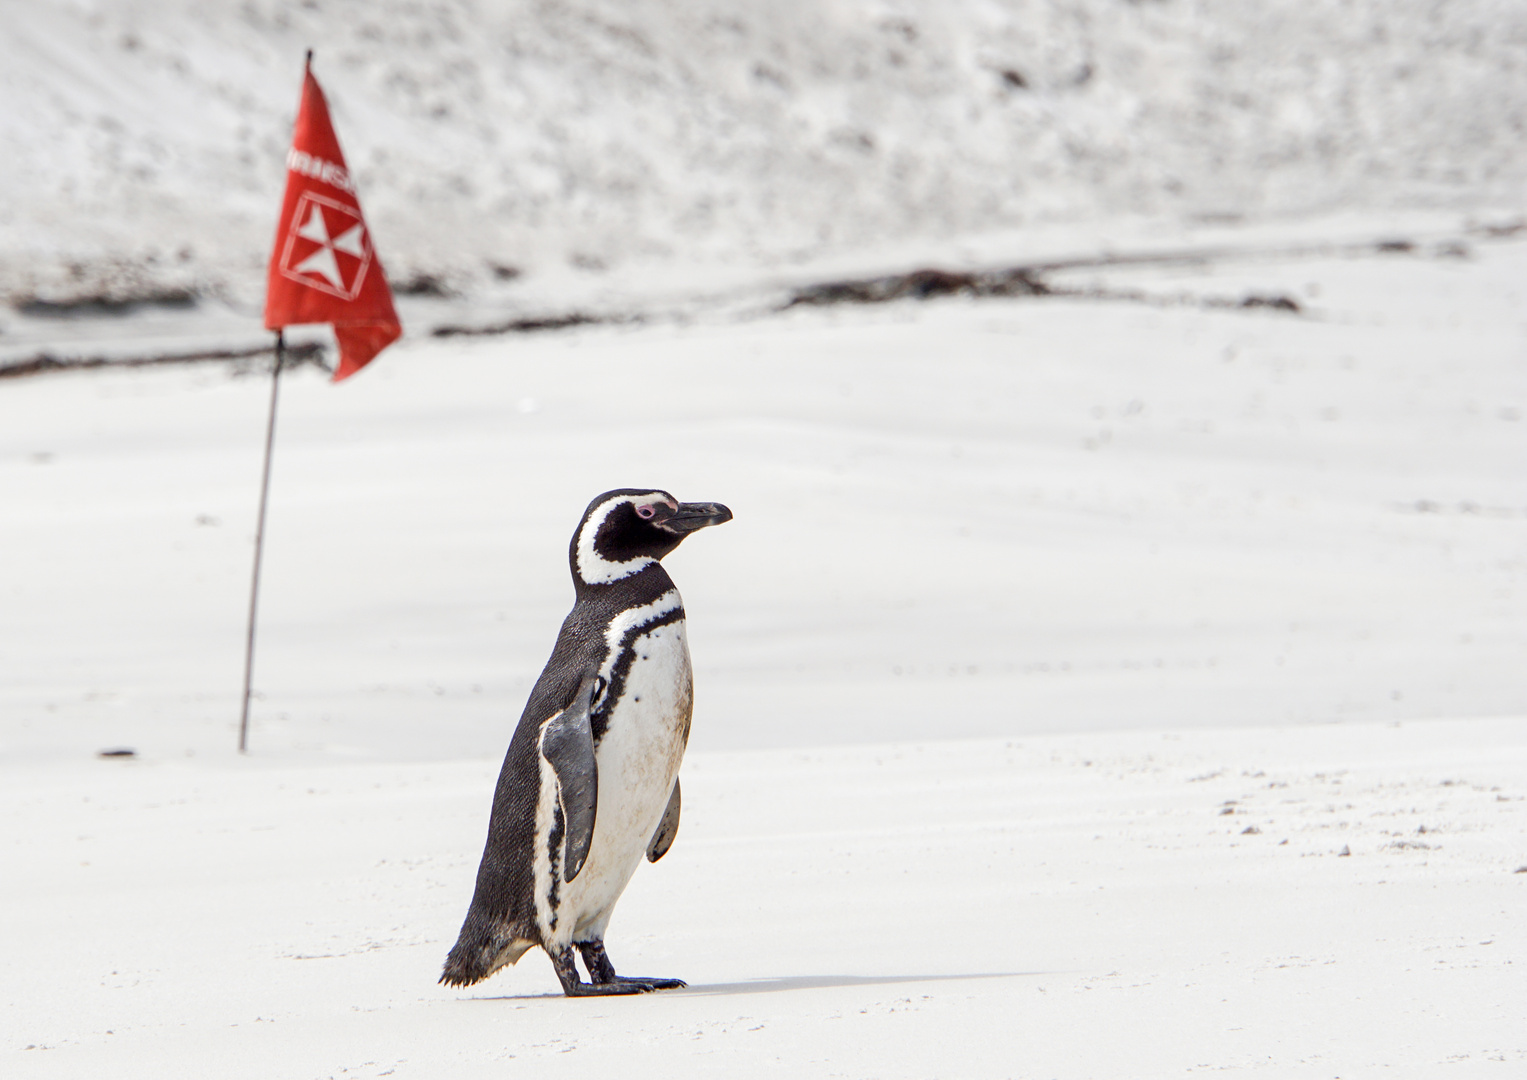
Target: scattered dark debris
296	356
530	325
1013	79
1502	231
105	304
505	272
1251	830
1028	280
1219	217
1431	506
1249	302
1395	247
422	284
1409	845
1278	302
119	752
849	138
1226	810
765	73
921	285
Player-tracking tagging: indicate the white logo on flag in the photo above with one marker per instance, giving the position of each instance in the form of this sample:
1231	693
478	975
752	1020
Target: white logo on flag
327	248
300	161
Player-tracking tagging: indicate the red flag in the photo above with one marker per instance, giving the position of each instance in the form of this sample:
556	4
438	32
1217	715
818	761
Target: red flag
324	268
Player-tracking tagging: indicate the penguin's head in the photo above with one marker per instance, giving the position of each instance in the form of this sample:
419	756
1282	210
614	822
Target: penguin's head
629	529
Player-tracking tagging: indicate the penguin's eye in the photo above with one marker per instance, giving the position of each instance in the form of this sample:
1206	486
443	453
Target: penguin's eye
645	511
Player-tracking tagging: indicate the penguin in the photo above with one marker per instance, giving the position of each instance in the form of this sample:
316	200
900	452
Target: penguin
590	782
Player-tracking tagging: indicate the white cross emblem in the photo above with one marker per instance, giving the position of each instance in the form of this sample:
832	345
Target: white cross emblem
320	259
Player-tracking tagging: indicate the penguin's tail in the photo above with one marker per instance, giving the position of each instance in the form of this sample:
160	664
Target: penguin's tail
479	952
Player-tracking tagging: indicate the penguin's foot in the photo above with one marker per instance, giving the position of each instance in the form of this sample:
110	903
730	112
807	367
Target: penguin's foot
602	972
650	983
573	986
583	989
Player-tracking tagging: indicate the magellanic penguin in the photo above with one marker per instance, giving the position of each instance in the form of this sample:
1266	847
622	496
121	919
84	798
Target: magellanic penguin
590	782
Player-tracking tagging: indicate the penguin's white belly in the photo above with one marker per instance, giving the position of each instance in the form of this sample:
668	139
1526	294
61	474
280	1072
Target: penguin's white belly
638	760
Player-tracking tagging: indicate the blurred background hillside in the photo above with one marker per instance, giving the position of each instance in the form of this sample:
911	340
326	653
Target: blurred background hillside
493	142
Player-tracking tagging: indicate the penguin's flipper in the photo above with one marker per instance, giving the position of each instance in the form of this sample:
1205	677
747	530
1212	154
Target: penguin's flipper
567	744
667	829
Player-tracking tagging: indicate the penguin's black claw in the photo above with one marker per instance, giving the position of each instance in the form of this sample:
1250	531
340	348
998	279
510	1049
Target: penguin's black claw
651	983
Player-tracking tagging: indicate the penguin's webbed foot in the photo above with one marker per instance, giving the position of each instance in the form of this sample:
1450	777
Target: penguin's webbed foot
573	986
583	989
602	973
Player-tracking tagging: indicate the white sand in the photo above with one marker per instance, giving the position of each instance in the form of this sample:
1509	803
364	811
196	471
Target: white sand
1020	599
1071	906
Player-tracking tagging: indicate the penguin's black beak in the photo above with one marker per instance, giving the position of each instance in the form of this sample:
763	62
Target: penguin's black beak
697	515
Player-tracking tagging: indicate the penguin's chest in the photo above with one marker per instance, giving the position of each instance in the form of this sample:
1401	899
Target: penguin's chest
650	700
648	724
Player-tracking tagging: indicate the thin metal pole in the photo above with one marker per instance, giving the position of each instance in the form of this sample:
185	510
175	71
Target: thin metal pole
254	587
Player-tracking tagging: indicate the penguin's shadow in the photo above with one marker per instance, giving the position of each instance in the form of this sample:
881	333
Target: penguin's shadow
827	982
800	982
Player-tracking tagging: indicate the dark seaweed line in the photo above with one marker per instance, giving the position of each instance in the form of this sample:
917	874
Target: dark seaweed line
532	325
307	353
1027	280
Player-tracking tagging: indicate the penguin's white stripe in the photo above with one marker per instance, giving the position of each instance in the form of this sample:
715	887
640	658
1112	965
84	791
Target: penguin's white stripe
544	865
594	568
629	619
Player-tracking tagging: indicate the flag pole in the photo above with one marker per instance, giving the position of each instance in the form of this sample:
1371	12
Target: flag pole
308	282
254	587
